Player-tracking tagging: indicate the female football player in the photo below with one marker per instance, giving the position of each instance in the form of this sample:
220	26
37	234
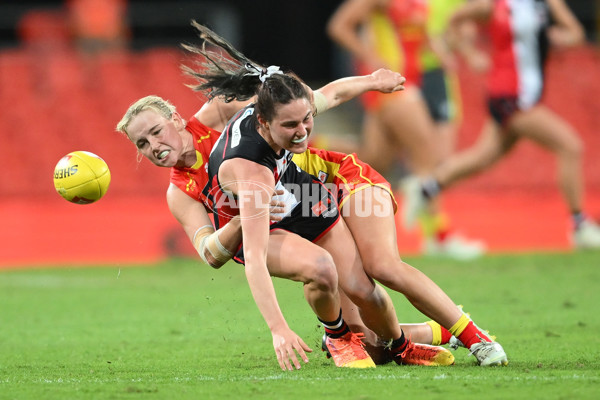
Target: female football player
521	33
393	34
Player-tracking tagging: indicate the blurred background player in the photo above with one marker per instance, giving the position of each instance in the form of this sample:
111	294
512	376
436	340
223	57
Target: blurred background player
521	33
394	34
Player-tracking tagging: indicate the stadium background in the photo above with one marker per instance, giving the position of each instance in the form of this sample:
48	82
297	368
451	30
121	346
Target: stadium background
56	99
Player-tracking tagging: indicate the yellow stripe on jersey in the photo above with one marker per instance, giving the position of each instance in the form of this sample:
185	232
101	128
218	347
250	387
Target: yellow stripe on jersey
384	38
364	178
199	160
316	166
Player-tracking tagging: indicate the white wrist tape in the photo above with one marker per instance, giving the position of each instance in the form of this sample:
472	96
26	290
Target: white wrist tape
206	239
320	102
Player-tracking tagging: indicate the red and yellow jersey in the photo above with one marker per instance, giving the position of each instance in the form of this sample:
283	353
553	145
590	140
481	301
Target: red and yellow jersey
399	36
409	18
192	180
345	171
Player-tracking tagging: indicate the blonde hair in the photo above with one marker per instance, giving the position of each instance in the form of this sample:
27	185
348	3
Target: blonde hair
156	103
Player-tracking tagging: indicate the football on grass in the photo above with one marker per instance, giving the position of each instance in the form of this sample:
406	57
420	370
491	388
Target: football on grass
81	177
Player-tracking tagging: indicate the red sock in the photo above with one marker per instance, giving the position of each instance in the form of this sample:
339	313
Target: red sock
471	335
446	335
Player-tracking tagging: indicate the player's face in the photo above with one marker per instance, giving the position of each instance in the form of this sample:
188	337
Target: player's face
156	137
292	125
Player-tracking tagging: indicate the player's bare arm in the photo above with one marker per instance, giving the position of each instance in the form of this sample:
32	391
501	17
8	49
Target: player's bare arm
193	217
344	89
253	185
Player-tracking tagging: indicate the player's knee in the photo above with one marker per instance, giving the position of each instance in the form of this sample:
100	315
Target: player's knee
361	294
381	264
573	148
377	269
321	272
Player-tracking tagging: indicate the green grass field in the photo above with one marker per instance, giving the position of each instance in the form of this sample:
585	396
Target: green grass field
180	330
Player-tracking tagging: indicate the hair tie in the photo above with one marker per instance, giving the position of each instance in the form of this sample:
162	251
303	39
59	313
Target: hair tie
263	74
252	69
270	71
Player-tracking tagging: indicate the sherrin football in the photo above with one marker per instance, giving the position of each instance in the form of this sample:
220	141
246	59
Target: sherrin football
81	177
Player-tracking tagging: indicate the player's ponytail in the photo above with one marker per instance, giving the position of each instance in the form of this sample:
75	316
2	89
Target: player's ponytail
233	76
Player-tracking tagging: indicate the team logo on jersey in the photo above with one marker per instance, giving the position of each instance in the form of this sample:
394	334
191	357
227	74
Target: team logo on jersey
324	207
319	208
323	176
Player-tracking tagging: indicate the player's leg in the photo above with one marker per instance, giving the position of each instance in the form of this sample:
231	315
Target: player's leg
441	92
375	236
413	134
411	130
376	147
492	144
369	215
374	304
552	132
317	271
373	344
429	333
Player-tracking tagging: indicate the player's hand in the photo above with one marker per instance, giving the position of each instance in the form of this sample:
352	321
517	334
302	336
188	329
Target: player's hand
286	345
277	208
388	81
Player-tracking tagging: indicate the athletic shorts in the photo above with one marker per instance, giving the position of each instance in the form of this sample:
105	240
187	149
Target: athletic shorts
355	175
314	215
502	108
435	93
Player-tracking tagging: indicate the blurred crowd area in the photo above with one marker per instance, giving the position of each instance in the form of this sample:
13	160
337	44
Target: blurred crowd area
69	69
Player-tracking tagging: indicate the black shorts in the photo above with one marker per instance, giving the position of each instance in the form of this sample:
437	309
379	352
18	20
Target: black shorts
436	95
502	108
314	215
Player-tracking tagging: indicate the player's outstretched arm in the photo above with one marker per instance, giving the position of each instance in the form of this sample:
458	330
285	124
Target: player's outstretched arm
344	89
253	184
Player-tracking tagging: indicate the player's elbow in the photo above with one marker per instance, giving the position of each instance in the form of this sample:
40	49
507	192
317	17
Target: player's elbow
212	261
